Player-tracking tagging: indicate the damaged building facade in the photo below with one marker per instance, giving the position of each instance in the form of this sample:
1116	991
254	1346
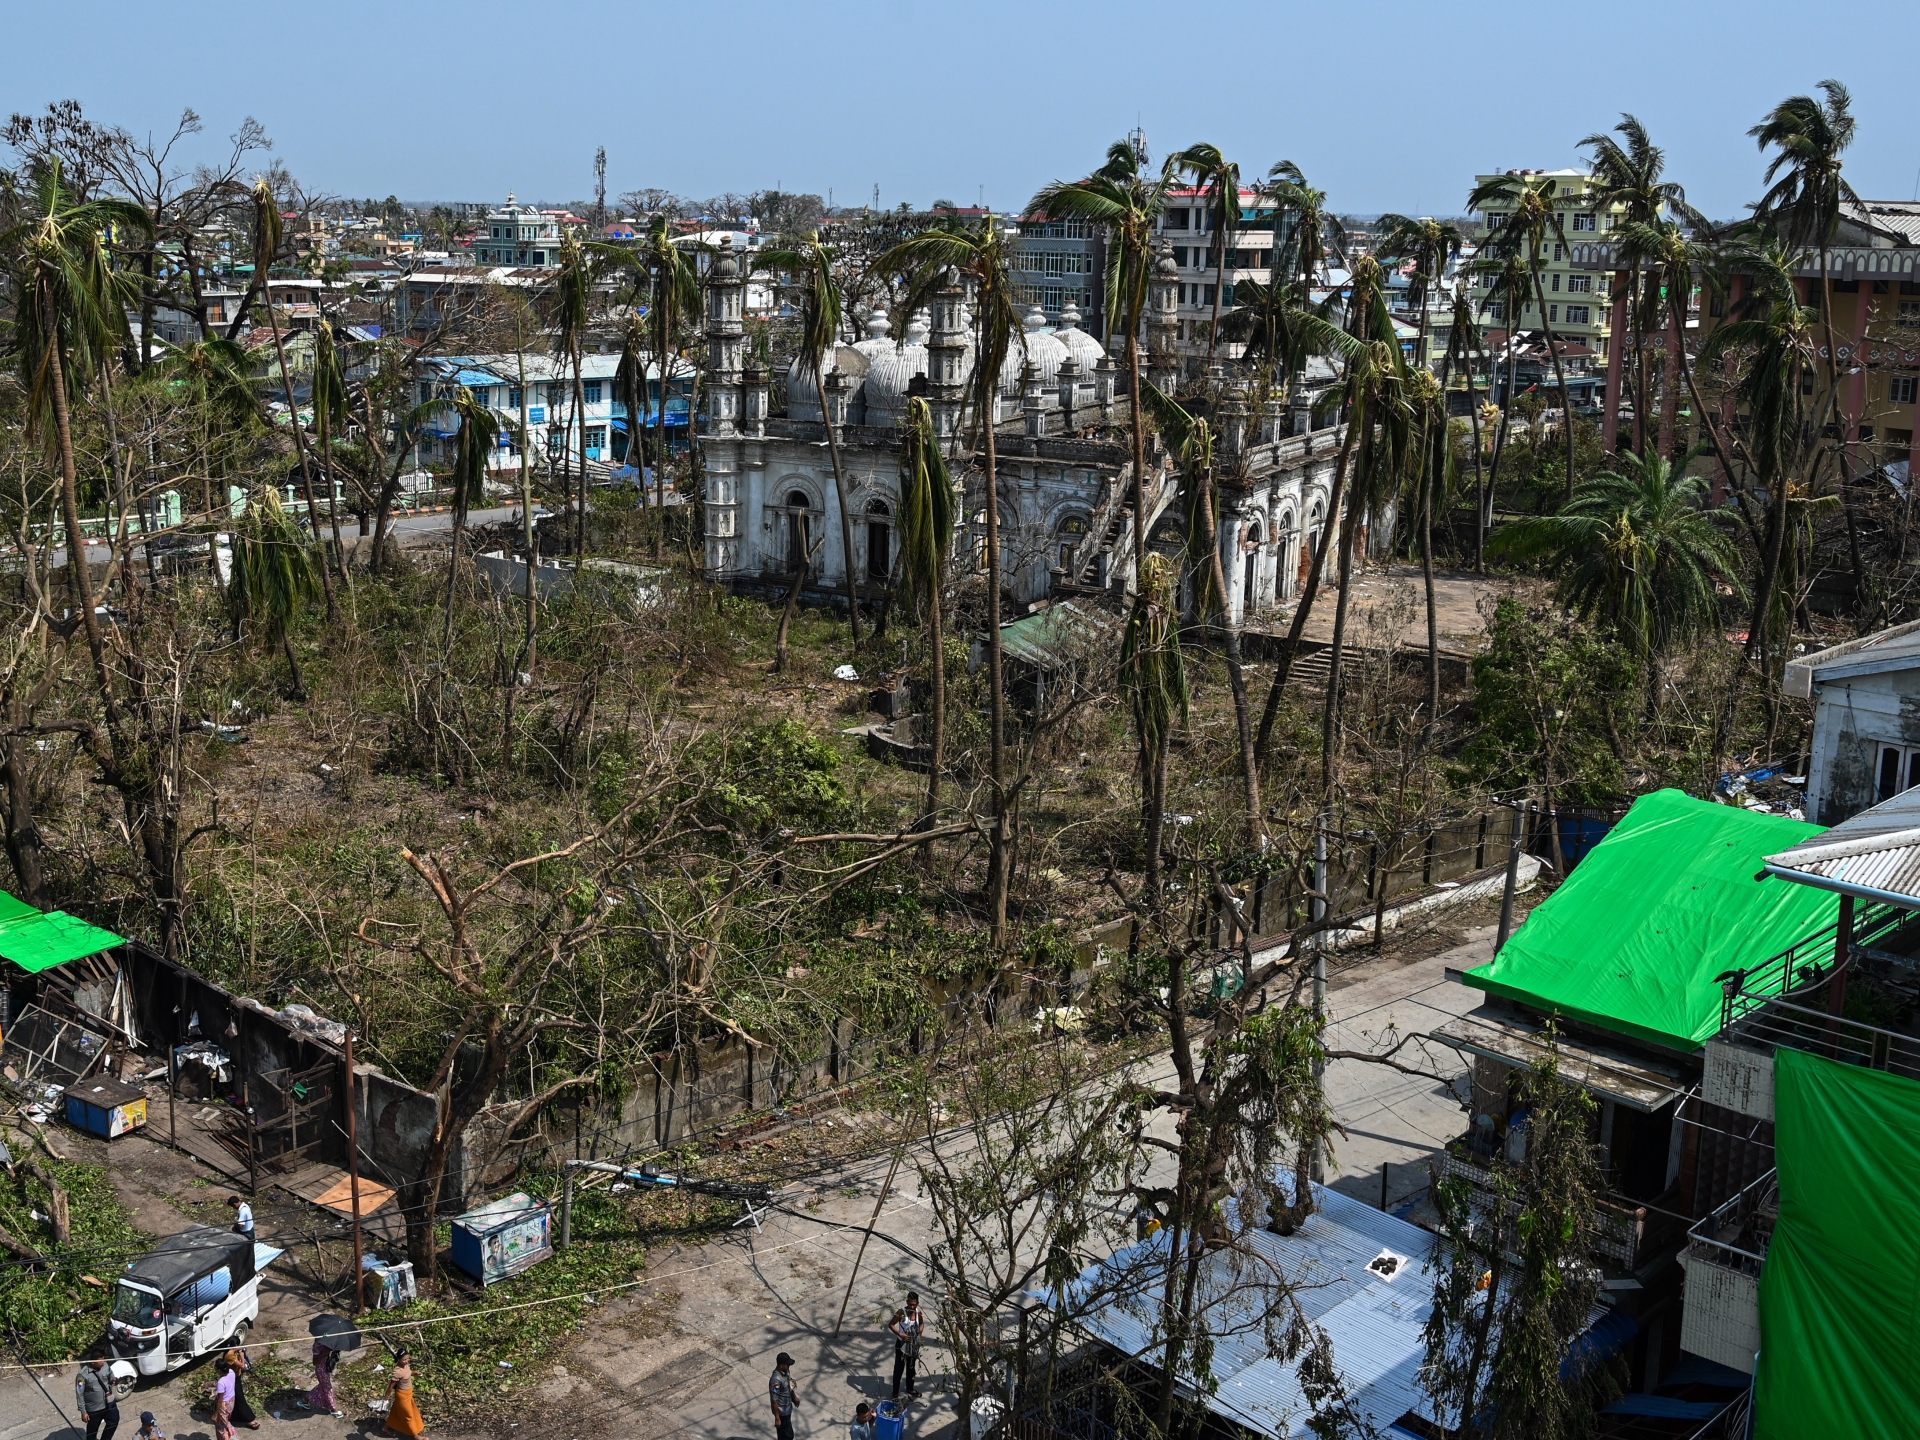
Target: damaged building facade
1064	461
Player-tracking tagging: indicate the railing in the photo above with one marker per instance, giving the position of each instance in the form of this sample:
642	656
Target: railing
1779	1022
1624	1231
1741	1216
1802	965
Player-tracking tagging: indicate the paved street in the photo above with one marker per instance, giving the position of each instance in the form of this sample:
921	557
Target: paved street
688	1355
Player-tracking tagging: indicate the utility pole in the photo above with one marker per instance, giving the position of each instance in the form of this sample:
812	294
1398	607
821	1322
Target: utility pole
353	1185
1317	913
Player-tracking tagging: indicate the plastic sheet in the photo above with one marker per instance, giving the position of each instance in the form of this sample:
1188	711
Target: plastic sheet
1636	938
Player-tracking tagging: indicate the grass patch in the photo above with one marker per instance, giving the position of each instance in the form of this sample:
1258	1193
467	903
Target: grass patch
56	1313
456	1362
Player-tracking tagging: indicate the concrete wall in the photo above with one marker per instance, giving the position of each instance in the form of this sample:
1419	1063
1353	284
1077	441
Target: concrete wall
1852	720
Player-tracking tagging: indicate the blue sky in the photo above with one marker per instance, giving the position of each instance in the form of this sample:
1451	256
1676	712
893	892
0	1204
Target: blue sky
1385	105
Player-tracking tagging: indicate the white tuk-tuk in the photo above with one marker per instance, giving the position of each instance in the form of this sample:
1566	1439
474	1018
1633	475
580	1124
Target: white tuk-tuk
195	1292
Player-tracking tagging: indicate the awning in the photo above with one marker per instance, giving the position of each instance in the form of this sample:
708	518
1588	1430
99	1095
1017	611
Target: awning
37	941
1512	1040
1875	855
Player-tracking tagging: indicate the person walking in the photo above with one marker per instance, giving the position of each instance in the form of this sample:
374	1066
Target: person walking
403	1411
780	1396
93	1390
321	1396
905	1327
223	1400
242	1215
240	1363
862	1427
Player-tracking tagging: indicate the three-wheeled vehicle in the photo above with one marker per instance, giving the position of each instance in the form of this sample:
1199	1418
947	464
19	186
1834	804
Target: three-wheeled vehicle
193	1293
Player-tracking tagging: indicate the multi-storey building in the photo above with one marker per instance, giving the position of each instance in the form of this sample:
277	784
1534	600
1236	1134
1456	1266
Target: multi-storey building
519	235
1186	226
1062	263
1577	303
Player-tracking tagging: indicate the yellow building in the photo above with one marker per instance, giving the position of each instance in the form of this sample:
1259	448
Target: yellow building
1578	307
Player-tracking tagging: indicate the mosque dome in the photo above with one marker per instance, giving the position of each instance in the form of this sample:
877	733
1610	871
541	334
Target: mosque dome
891	368
803	396
1086	351
1041	351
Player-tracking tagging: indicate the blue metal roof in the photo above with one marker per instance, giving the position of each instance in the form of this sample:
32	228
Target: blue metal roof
1374	1321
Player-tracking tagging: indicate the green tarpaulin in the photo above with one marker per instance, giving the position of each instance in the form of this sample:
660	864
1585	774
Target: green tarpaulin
36	941
1634	938
1840	1297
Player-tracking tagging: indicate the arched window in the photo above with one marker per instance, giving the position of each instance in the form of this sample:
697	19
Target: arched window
1252	563
1069	540
879	542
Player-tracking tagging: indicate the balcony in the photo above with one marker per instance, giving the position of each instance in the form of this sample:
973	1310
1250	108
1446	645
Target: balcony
1628	1233
1723	1258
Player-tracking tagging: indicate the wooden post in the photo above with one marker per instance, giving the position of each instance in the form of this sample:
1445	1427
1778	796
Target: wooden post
353	1185
1513	877
868	1235
246	1117
1842	954
566	1210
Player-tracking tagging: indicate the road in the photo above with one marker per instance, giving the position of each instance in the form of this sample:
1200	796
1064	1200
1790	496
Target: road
408	529
688	1355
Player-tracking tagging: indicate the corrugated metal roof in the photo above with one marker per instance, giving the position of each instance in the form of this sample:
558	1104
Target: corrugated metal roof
1373	1321
1875	855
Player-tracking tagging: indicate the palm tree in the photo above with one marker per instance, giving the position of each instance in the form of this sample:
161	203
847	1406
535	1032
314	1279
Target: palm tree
329	395
820	322
572	313
1806	195
473	447
274	576
926	530
1121	196
976	251
1638	550
1380	407
666	284
70	316
1674	259
1431	245
1627	180
1509	291
1191	441
217	381
1374	366
1532	218
1219	179
1154	677
266	247
1463	344
1306	238
1775	338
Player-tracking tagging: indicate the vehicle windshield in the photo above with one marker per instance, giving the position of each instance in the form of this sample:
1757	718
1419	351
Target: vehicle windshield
138	1308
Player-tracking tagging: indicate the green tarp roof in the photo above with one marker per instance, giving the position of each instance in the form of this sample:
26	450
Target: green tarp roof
1839	1307
36	941
1634	938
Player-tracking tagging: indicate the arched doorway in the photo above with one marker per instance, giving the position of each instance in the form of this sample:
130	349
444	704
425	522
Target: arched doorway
799	529
1310	552
1250	590
879	542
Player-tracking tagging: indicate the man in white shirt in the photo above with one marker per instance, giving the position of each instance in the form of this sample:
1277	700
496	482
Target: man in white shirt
242	1215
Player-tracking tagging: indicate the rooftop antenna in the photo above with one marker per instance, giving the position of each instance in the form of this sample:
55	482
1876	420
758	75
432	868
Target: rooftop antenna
876	196
600	188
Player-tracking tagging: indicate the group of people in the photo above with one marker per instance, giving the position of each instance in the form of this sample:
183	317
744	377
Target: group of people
906	1327
93	1392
